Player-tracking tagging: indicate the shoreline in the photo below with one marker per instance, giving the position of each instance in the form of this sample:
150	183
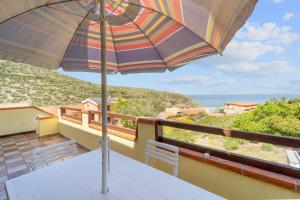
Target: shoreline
218	101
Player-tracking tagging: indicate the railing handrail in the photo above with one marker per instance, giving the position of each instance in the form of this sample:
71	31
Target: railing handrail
69	108
116	115
115	128
112	126
256	137
73	117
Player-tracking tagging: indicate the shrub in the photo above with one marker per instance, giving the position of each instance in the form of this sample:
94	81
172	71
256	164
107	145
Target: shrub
199	116
128	123
289	126
181	135
221	110
186	120
275	117
294	101
231	144
266	147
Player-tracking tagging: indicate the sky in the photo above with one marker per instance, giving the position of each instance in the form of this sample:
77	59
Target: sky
262	58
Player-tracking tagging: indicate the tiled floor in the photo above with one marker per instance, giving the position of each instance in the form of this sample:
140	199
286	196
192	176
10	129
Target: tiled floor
15	155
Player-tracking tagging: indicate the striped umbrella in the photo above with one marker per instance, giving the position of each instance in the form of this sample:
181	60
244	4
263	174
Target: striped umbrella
137	36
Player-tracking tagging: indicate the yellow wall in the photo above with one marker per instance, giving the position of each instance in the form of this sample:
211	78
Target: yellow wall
90	138
19	120
229	184
217	180
47	126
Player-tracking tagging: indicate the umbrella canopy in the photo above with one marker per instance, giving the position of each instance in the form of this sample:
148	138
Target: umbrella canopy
117	36
142	35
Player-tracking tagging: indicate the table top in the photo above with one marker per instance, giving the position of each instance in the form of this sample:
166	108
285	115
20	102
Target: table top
80	178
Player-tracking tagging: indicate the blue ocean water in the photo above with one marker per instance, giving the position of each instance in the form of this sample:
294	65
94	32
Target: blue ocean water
219	100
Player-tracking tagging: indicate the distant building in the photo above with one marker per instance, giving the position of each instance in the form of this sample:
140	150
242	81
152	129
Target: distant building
95	104
182	106
176	111
192	111
166	115
238	107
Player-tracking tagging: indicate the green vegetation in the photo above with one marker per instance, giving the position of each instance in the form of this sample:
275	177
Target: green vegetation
278	117
41	87
221	121
294	101
205	120
231	144
182	135
266	147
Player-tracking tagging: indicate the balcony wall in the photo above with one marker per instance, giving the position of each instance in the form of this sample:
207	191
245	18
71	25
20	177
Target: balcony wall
19	119
224	182
47	126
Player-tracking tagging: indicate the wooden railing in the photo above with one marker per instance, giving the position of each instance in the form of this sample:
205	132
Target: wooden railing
71	114
254	137
116	122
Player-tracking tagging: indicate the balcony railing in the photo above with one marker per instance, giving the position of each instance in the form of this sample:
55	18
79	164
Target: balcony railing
116	122
254	137
71	114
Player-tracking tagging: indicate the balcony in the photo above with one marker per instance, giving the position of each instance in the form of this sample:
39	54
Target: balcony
226	174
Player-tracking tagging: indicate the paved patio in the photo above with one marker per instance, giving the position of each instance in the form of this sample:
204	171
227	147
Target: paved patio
15	155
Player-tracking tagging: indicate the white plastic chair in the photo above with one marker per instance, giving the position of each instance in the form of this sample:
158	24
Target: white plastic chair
293	158
48	155
163	152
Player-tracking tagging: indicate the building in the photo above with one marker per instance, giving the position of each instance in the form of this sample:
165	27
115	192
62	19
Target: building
166	115
181	106
193	111
95	104
238	107
175	111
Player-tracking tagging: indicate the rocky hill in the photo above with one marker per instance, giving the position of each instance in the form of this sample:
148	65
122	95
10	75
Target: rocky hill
42	87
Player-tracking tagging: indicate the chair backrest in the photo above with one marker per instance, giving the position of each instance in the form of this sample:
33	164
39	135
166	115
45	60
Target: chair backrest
293	158
163	152
48	155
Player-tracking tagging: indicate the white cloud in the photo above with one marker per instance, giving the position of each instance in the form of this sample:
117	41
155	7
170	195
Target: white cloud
278	67
249	51
285	85
270	33
278	1
295	81
200	80
288	16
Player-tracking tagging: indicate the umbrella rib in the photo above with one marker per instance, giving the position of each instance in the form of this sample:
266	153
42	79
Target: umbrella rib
162	59
113	41
115	8
216	50
47	4
79	25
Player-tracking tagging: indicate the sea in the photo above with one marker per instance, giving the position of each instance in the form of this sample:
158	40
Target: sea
217	101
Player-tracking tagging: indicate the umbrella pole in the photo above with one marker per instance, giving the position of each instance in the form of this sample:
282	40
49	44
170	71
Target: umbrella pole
105	140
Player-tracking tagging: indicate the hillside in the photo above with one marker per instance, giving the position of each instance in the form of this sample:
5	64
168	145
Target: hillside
41	87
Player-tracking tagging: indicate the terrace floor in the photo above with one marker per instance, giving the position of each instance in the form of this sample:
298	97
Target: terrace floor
15	155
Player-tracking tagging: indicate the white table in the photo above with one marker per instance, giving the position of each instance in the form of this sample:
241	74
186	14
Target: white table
80	178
